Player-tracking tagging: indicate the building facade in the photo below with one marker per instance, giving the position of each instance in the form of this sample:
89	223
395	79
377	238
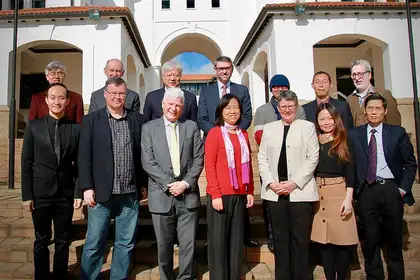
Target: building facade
264	37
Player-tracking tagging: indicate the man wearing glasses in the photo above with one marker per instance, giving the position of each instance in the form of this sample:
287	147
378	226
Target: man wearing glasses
321	83
55	72
112	180
114	68
361	74
171	78
210	98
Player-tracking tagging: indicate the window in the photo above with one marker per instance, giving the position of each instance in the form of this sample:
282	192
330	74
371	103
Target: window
166	4
12	4
215	3
190	4
38	4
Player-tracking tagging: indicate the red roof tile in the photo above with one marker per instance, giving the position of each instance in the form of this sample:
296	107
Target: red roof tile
197	77
321	5
64	10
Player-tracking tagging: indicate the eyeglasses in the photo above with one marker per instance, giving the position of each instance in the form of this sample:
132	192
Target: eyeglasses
358	74
115	94
371	109
290	107
58	74
222	69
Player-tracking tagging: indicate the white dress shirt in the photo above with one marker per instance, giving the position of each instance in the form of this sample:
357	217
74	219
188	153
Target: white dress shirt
382	169
219	84
168	131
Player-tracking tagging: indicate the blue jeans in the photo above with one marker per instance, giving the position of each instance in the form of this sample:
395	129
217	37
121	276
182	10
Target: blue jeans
125	209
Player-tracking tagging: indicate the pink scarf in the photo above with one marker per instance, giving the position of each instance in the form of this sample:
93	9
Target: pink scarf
231	157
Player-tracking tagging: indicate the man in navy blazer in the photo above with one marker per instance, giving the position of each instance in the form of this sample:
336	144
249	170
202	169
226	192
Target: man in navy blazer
385	172
171	77
321	83
210	96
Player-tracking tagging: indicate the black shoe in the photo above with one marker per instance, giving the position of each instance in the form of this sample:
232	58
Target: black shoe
251	243
154	245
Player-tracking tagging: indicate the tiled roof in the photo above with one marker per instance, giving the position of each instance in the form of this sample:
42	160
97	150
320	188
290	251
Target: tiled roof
83	12
63	10
197	77
351	5
310	7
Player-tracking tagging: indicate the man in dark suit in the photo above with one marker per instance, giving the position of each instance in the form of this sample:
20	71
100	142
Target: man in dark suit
321	83
114	68
207	104
171	77
385	171
49	173
55	72
210	96
173	157
111	177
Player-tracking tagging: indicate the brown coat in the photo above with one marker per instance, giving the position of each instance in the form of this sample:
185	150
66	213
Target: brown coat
392	116
328	226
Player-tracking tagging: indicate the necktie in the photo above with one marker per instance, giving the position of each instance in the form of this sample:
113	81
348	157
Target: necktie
372	158
224	89
175	150
57	141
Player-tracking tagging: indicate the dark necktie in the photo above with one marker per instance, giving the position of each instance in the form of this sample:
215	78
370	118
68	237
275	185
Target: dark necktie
372	158
57	141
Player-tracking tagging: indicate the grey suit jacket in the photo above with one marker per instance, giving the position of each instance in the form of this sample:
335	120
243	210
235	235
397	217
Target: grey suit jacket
97	100
156	161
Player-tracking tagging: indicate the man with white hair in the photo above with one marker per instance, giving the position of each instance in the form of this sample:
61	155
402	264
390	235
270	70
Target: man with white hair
361	74
114	68
173	157
171	77
55	72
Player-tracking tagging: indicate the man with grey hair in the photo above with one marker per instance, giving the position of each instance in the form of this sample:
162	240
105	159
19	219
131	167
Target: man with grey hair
114	68
55	72
173	157
361	74
171	77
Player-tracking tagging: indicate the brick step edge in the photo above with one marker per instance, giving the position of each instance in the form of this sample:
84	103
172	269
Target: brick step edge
20	250
151	272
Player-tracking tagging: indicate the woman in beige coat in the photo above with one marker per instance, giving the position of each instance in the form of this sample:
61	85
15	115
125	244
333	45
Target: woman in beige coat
287	159
334	226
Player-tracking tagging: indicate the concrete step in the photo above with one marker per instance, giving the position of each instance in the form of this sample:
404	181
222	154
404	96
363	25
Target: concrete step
20	250
20	271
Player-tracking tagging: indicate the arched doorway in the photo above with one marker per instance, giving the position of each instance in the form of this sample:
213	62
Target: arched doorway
142	91
32	58
190	42
245	79
131	74
334	55
260	90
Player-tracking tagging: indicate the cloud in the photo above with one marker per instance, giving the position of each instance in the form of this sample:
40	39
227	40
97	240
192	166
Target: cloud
194	63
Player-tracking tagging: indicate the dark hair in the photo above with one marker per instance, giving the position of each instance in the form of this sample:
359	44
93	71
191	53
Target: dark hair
321	73
339	145
375	96
115	81
224	101
54	85
223	59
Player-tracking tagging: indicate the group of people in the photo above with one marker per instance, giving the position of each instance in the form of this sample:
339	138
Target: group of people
311	160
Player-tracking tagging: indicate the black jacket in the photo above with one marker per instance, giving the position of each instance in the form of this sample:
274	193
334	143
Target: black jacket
42	175
342	107
96	159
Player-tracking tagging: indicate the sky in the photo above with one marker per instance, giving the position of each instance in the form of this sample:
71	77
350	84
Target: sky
194	63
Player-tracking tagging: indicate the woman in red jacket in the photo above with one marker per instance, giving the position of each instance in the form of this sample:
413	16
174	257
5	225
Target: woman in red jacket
229	186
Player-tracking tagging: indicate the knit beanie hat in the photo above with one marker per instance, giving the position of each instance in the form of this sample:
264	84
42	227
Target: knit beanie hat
279	80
